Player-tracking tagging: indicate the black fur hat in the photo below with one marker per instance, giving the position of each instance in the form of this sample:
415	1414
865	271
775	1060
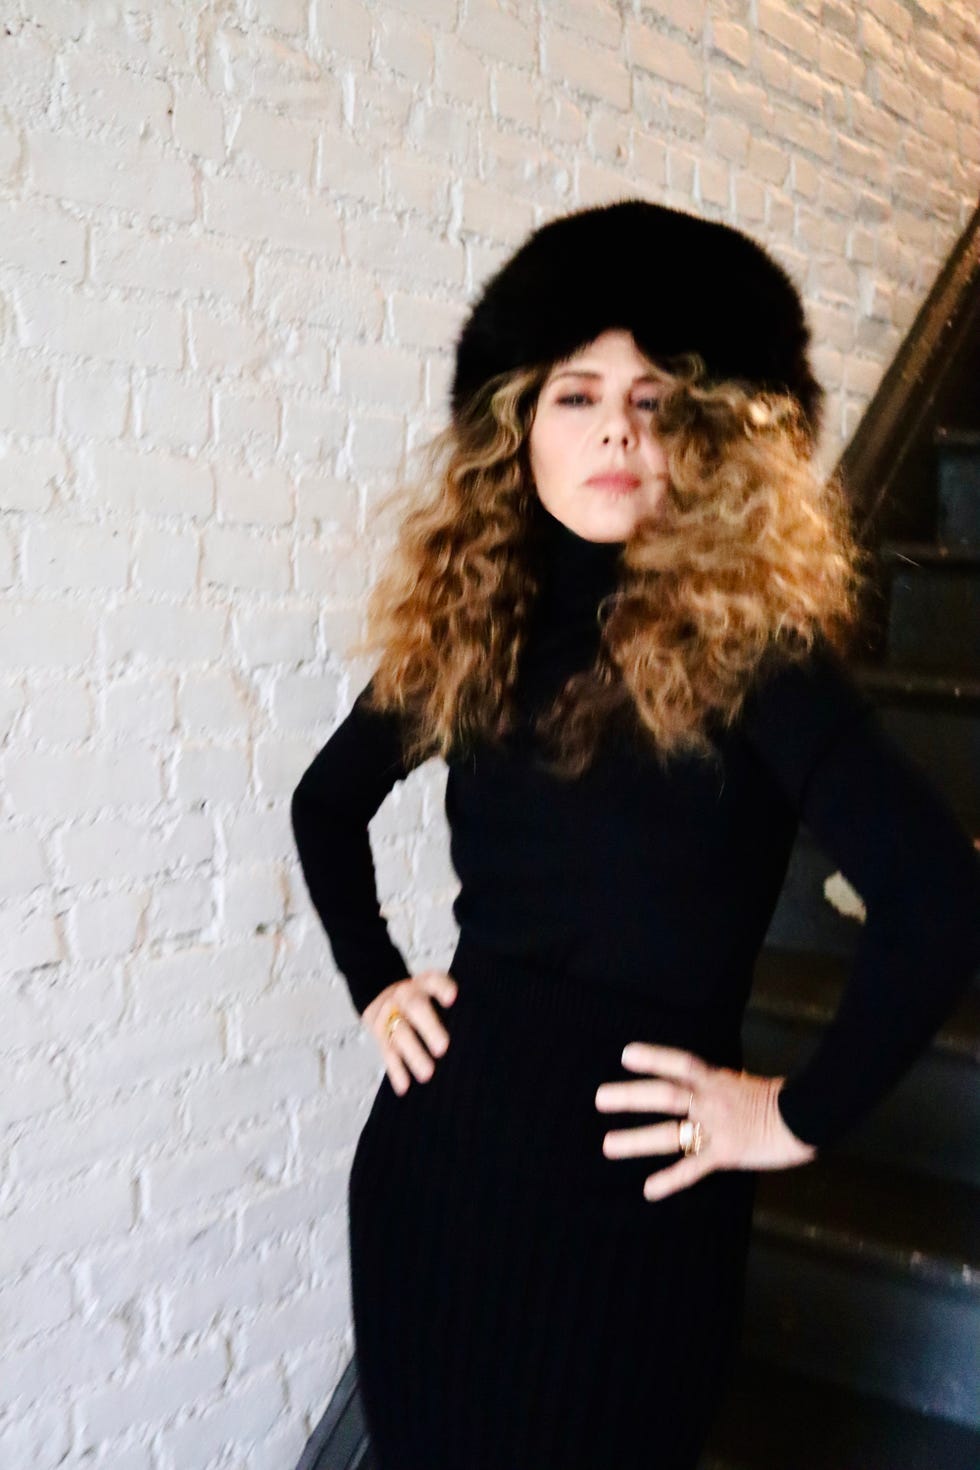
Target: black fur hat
677	282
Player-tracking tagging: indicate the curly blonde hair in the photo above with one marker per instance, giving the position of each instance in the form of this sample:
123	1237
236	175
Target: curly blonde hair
751	556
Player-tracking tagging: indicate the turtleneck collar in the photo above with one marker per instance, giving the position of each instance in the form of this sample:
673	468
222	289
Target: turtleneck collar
575	573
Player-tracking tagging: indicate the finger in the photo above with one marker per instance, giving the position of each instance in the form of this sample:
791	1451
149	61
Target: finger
422	1014
648	1096
440	984
667	1061
405	1041
627	1143
668	1181
397	1071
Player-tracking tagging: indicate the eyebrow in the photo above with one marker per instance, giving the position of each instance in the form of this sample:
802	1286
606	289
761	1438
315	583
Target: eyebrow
589	373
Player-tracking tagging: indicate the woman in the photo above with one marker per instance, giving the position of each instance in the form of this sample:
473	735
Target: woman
636	685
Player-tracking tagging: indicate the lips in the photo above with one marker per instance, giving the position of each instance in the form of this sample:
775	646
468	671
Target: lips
615	481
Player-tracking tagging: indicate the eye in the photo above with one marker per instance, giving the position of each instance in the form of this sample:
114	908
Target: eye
650	403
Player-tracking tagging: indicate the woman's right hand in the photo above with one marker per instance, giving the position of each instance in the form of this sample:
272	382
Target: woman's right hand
412	996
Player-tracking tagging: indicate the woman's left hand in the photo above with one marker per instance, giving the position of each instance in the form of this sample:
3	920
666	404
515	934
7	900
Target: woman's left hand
741	1125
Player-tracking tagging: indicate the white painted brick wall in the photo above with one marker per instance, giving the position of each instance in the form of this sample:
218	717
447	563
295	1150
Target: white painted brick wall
237	242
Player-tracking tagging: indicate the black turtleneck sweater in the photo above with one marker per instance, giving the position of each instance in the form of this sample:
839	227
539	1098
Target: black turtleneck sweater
665	880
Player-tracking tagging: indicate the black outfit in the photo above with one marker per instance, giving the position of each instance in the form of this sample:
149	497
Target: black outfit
516	1300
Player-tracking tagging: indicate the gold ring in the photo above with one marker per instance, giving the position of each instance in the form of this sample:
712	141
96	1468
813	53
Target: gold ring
394	1016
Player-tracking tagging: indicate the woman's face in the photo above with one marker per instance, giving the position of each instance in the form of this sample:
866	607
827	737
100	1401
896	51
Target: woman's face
596	415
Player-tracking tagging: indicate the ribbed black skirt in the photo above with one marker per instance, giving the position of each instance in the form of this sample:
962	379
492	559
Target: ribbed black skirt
517	1303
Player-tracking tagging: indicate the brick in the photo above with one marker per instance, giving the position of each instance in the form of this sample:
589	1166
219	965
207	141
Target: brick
235	557
78	1352
26	397
222	1167
93	94
43	1301
126	478
303	701
152	1392
276	144
198	122
201	975
347	167
43	1228
22	862
377	374
46	783
62	555
132	1056
211	773
40	1440
492	31
244	1282
228	345
31	1086
172	264
164	632
259	497
108	926
346	301
253	899
43	240
241	1417
95	400
182	908
61	321
270	215
165	560
30	478
118	1277
253	1089
62	712
246	420
214	701
45	634
65	1144
174	413
138	704
275	635
132	175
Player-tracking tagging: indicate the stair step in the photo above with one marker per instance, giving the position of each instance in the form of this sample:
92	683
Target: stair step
798	986
930	553
934	615
958	486
947	437
877	1216
893	681
869	1276
773	1419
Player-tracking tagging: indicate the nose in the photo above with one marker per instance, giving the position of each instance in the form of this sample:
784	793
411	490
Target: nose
620	427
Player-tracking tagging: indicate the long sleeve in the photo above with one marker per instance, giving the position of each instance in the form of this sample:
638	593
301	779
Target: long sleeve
336	797
877	814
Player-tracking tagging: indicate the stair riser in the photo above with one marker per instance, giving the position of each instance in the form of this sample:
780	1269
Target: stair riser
930	1120
959	497
878	1331
946	744
934	618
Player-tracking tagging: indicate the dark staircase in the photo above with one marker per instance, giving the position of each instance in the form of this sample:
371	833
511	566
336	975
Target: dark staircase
861	1348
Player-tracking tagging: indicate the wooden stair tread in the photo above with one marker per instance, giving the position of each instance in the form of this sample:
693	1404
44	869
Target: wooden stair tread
773	1419
876	1215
